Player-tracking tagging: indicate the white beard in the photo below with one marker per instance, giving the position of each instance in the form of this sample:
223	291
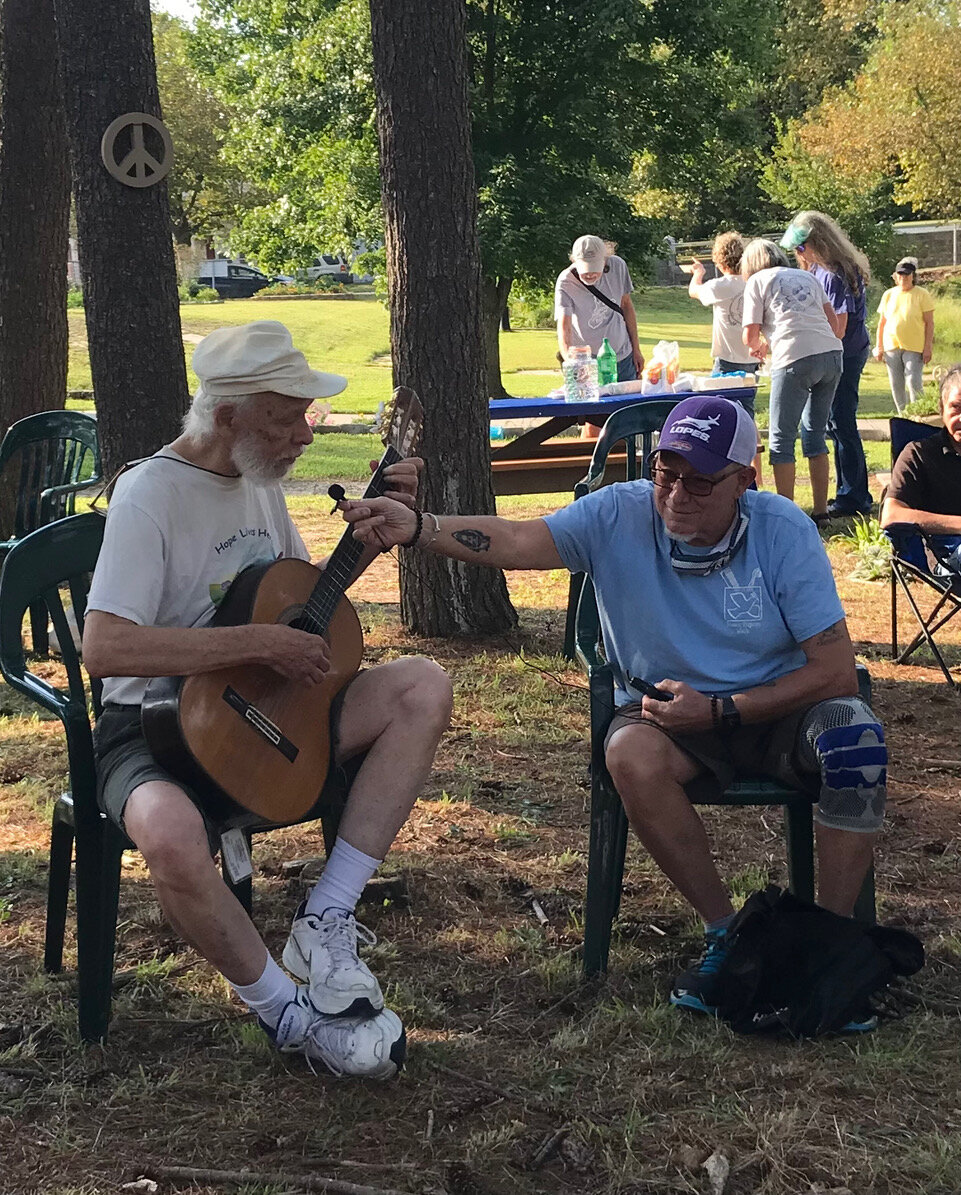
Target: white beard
250	462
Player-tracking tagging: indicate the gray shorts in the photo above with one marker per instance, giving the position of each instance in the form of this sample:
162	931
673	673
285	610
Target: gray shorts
768	749
124	762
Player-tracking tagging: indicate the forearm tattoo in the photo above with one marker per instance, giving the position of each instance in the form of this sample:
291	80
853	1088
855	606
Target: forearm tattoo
477	541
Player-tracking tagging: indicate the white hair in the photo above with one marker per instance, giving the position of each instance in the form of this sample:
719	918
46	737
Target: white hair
198	423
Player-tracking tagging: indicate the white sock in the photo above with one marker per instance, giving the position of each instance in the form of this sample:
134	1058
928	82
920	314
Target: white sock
343	880
270	995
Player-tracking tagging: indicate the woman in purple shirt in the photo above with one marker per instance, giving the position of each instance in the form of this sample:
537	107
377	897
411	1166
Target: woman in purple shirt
821	247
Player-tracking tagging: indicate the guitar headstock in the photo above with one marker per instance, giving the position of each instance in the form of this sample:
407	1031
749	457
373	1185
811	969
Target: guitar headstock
404	419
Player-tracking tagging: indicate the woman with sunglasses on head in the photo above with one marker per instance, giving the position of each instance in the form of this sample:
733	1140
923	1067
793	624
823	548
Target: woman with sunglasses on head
822	248
792	311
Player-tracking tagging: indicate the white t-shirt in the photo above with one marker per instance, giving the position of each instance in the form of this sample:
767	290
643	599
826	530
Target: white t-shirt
592	320
176	537
789	306
726	295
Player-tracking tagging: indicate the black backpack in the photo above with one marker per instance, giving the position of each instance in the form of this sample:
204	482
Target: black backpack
794	966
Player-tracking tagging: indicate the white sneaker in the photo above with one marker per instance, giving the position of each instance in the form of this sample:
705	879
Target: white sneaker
360	1047
290	1034
322	952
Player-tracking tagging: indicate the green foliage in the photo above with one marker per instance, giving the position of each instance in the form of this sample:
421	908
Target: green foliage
74	296
795	179
203	187
872	548
192	292
319	286
532	306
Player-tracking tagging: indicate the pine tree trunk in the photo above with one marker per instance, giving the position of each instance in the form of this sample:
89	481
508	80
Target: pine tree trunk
34	216
126	245
434	282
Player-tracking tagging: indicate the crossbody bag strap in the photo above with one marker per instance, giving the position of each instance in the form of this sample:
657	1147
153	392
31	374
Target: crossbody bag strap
598	295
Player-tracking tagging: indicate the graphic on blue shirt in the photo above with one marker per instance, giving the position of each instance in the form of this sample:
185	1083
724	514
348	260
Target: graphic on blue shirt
743	604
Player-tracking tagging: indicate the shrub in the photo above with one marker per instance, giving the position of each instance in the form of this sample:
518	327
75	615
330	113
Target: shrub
74	297
325	284
531	307
192	292
872	548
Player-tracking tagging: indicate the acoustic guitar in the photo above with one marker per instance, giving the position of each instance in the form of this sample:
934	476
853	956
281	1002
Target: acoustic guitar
247	736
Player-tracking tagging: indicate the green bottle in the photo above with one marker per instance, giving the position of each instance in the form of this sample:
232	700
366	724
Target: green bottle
606	364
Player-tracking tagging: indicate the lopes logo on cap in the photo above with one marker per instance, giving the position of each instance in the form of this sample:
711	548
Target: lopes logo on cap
699	428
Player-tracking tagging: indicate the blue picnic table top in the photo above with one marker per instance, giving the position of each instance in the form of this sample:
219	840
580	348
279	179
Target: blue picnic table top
546	408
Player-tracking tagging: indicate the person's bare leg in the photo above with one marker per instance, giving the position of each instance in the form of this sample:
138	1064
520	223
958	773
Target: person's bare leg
170	834
648	771
758	460
397	713
843	861
784	479
819	470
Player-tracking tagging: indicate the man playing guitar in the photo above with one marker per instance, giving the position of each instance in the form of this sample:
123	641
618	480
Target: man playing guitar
180	527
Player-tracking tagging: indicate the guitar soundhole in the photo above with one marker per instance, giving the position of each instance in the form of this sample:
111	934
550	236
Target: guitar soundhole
292	616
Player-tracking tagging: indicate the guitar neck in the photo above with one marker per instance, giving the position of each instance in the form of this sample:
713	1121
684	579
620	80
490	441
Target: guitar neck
343	561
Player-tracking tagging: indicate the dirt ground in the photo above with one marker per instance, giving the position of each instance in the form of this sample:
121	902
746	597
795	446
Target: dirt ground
521	1077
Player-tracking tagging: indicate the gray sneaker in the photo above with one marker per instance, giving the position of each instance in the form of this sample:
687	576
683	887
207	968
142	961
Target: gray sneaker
358	1047
322	952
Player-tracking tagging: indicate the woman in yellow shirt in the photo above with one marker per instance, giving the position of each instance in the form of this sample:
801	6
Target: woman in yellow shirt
905	333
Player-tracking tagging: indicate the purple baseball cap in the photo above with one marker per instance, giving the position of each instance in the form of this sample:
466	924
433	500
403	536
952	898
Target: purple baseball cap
711	433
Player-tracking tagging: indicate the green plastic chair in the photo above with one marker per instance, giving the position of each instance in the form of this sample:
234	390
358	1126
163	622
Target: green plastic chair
637	426
48	458
609	827
47	568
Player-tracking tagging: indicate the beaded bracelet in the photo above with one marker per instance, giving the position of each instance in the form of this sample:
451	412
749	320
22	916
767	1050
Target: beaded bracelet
412	542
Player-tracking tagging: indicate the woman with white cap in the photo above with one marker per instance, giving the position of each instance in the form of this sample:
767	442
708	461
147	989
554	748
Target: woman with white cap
905	333
592	300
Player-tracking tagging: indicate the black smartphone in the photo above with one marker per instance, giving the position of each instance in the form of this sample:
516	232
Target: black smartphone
649	690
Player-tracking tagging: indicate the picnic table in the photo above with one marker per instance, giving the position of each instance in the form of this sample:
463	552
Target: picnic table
532	464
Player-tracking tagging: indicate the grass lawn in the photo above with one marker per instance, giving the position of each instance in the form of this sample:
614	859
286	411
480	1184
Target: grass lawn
507	1044
351	336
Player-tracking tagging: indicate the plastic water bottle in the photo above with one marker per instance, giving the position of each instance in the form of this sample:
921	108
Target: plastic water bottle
580	376
606	364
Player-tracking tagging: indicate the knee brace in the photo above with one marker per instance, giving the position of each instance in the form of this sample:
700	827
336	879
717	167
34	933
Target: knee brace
845	741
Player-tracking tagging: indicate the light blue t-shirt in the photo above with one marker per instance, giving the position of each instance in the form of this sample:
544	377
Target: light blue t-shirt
723	633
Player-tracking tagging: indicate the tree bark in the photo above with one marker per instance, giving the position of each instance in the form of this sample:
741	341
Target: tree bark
126	244
34	217
434	285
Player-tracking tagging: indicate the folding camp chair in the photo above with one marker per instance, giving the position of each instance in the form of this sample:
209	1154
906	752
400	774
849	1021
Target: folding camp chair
637	426
912	550
51	568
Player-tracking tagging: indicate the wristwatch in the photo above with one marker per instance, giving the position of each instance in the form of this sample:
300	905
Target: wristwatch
730	716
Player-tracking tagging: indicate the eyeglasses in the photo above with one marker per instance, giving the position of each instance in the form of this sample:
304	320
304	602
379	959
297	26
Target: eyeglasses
697	485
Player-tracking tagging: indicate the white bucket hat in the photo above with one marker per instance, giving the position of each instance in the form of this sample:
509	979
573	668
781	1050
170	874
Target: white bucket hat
259	357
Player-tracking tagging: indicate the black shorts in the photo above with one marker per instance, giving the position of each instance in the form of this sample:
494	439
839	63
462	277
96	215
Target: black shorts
767	749
124	762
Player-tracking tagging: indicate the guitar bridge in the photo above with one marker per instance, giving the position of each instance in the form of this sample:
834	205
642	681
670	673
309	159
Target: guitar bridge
261	723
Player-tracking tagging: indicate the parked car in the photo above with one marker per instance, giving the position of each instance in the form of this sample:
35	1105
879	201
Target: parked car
329	265
232	279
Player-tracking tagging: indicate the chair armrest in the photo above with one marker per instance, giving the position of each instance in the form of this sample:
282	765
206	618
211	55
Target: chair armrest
49	497
901	531
54	700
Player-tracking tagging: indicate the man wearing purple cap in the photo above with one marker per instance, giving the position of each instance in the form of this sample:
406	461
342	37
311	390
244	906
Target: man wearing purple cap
722	598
